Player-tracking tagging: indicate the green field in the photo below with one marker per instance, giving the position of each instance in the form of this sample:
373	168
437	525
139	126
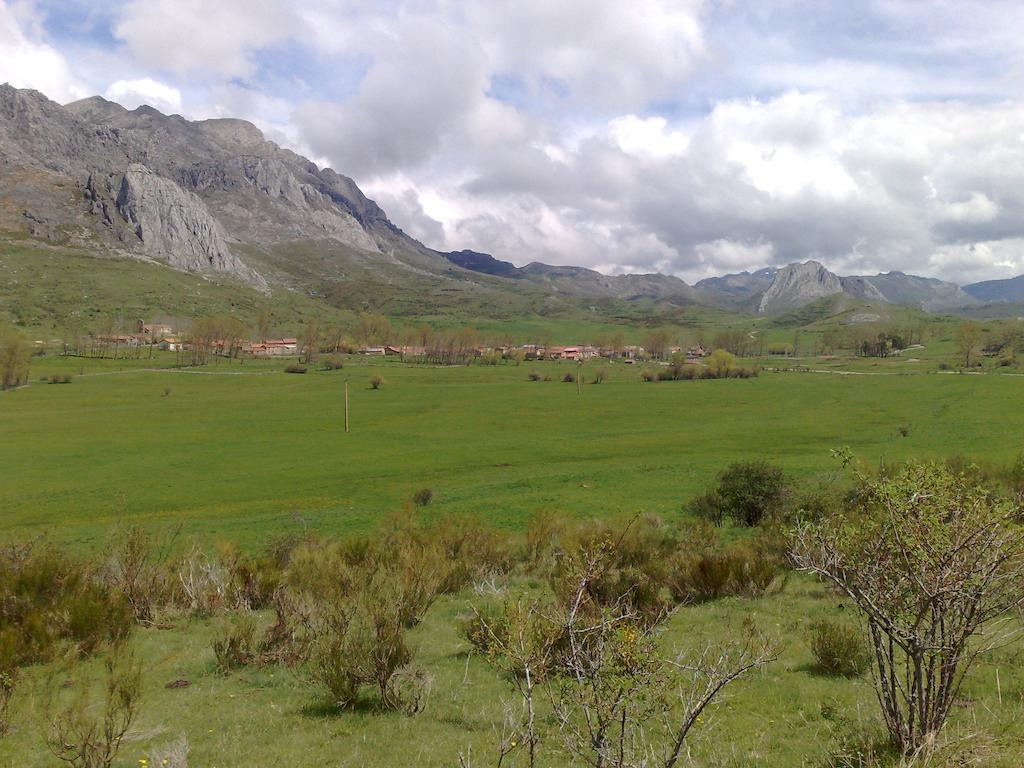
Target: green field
244	451
241	452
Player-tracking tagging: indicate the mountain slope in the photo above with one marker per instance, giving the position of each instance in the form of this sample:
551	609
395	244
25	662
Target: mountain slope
798	284
924	293
998	290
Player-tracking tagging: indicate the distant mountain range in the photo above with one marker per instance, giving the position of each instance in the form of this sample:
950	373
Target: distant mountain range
215	197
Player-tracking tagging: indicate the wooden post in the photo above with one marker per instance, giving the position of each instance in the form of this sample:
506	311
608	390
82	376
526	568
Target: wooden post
346	405
579	379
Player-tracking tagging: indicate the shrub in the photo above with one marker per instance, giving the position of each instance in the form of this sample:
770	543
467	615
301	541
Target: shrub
839	648
8	682
85	733
423	497
334	363
48	599
751	490
648	376
376	382
533	376
599	376
235	644
707	506
60	380
569	378
295	368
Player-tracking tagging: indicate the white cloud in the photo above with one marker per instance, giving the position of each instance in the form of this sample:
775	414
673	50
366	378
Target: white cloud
31	63
648	138
134	93
207	38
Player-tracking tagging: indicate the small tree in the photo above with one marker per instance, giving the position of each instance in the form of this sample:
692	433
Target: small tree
750	490
968	341
933	562
720	363
15	353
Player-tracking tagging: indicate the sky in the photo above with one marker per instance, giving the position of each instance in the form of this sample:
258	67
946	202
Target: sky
685	137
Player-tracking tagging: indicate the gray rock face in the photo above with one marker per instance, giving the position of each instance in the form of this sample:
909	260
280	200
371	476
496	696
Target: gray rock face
799	284
175	226
925	293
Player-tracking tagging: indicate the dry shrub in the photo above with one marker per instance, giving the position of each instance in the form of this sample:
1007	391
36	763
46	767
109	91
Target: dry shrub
86	732
8	682
423	497
235	644
376	382
533	376
749	568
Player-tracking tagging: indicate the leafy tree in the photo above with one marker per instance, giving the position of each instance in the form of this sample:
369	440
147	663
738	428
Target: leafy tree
750	490
930	558
15	353
720	363
968	340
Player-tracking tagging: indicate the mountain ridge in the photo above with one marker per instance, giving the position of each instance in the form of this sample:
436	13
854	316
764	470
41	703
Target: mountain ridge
215	196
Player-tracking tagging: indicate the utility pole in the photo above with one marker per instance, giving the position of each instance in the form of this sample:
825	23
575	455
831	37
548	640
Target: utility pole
346	406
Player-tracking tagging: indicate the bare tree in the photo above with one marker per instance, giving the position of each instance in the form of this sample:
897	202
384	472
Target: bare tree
934	564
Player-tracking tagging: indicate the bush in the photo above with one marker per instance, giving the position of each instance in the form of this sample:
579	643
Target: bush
235	644
533	376
839	648
334	363
599	376
648	376
751	490
376	382
48	599
86	733
8	682
707	506
743	569
60	380
423	497
295	368
569	378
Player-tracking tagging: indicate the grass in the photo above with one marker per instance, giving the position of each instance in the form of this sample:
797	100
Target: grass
241	451
787	715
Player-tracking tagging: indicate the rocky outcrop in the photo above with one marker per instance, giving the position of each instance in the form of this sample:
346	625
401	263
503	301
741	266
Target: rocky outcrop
175	226
799	284
925	293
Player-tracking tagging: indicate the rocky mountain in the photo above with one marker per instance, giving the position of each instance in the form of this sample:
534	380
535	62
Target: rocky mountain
798	284
925	293
741	290
1011	290
214	197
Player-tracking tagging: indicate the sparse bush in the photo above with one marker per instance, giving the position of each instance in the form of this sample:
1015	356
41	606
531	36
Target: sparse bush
707	506
599	376
334	363
295	368
533	376
235	644
80	738
8	682
376	382
839	648
648	376
423	497
569	378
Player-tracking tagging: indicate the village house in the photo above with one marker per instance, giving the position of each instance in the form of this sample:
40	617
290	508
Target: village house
405	351
154	329
373	351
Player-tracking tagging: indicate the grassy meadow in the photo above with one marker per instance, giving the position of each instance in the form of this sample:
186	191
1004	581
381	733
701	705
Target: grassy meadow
242	452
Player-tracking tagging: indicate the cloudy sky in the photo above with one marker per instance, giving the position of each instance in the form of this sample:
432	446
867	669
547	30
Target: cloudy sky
678	136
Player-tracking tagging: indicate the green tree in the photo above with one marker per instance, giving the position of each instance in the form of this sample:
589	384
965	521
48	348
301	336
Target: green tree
15	354
930	558
968	341
751	490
